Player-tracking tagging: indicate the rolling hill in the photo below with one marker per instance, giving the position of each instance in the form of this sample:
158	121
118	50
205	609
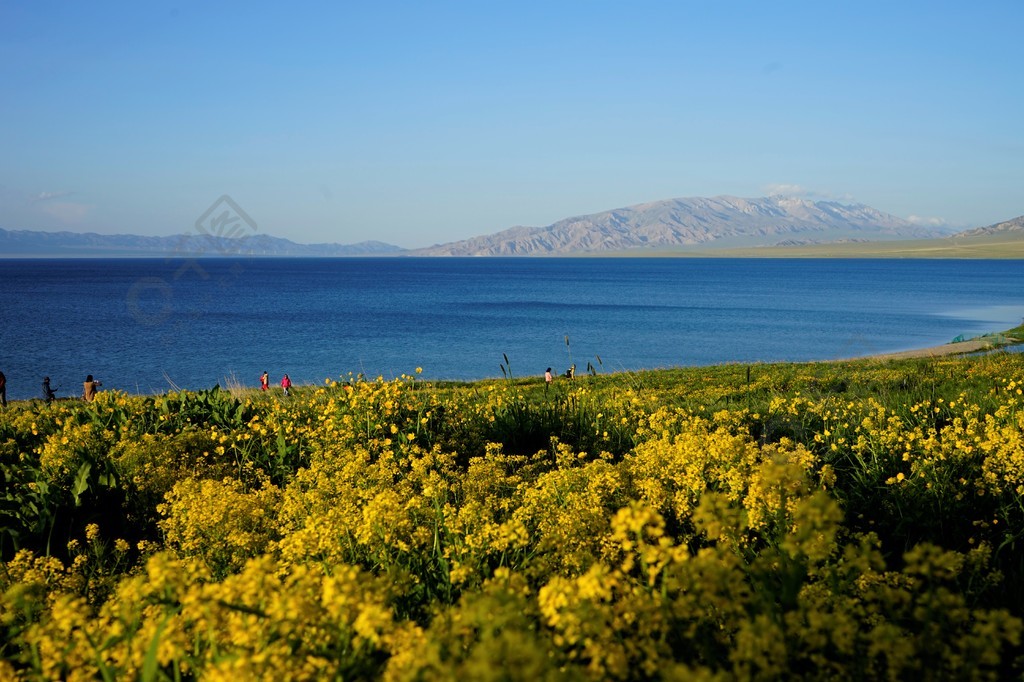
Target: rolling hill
717	222
719	226
34	244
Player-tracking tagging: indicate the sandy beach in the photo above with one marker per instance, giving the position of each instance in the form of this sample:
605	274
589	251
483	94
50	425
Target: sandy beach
969	346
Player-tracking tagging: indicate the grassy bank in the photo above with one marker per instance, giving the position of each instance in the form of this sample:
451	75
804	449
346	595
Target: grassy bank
858	519
1008	245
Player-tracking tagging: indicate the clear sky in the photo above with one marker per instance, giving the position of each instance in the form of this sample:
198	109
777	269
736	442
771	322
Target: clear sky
424	122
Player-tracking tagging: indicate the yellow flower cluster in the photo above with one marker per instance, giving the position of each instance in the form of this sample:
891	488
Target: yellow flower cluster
822	521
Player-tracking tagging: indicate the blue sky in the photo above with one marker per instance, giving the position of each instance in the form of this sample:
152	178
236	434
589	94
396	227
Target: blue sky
417	123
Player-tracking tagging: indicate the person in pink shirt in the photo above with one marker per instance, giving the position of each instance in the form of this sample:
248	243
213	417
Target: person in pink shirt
286	383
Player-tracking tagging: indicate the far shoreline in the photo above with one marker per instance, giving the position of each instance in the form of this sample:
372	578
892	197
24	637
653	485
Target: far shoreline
985	342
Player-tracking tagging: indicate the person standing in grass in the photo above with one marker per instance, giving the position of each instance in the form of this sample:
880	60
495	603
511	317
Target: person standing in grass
548	379
49	395
265	381
286	383
89	389
3	390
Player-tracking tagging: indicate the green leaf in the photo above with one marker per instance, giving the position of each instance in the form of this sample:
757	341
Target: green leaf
81	483
150	663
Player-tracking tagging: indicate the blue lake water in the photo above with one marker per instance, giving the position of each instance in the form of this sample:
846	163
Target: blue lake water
139	324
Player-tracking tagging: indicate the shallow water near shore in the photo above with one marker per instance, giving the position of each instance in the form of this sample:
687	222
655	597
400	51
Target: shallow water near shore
147	325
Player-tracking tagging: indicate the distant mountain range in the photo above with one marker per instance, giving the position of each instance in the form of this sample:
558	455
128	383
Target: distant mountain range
717	222
26	243
1007	227
672	225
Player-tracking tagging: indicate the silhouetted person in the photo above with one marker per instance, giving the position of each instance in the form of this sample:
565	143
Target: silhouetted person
571	372
49	395
89	389
3	390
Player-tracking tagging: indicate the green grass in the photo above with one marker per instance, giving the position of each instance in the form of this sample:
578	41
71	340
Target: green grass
1004	246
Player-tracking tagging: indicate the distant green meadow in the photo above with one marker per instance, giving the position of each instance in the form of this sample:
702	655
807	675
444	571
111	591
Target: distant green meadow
1004	246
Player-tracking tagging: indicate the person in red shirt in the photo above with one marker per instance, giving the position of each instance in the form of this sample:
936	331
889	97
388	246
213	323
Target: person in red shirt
265	381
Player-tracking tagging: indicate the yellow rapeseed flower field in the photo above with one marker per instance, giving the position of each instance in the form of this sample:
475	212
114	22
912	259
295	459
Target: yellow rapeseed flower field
860	520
